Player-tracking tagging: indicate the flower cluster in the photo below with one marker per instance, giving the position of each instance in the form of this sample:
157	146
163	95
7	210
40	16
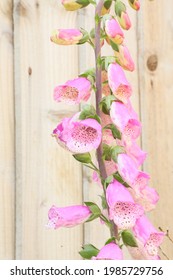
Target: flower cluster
112	131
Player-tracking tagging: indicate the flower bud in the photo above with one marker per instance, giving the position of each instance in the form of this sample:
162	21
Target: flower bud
106	7
124	58
66	36
124	21
114	31
134	4
73	5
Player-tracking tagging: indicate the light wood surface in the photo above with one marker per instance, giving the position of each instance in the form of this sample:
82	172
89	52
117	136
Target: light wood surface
35	172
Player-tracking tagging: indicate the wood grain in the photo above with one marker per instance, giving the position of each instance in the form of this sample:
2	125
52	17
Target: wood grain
46	174
7	167
156	94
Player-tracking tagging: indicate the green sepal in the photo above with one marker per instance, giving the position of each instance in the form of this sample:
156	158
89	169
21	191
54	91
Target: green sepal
115	151
88	251
114	46
108	60
112	239
118	177
128	238
115	132
84	3
96	212
85	37
107	4
89	112
84	158
108	181
107	152
119	8
105	103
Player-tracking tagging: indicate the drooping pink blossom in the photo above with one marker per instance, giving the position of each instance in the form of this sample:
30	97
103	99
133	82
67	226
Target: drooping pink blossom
135	4
110	251
73	91
114	31
121	117
124	58
124	21
78	136
150	237
69	216
135	152
127	168
66	36
118	82
122	208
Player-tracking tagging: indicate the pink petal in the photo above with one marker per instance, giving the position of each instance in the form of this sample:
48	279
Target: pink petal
127	168
67	216
110	251
118	82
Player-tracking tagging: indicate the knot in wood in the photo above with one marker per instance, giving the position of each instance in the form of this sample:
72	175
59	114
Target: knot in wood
152	62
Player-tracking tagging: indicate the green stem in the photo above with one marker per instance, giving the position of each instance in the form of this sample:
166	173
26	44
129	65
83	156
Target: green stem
103	174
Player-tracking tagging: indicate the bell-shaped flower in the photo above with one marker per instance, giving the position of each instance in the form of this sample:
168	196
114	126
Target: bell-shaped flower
122	208
110	251
73	91
66	36
127	168
121	117
142	193
135	4
124	58
73	5
124	21
150	237
69	216
78	136
118	82
135	152
114	31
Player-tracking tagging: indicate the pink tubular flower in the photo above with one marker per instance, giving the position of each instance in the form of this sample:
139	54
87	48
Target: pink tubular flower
142	194
122	208
66	36
118	82
73	91
127	168
114	31
134	4
135	152
124	58
148	236
67	216
110	251
124	21
78	136
121	117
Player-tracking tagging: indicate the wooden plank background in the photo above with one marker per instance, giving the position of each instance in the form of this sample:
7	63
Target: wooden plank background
35	172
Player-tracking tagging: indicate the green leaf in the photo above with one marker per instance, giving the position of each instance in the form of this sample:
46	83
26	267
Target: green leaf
84	158
108	180
119	8
115	151
92	217
106	102
104	203
128	238
89	72
88	251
